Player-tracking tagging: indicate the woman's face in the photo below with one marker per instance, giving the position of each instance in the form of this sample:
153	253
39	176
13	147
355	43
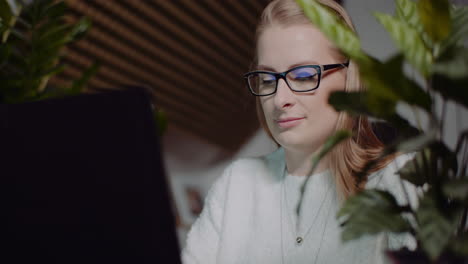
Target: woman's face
299	121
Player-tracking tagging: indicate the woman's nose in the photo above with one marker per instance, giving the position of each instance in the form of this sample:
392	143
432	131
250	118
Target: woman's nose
284	96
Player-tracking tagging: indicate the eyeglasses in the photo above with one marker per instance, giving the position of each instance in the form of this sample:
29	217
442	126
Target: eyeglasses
303	78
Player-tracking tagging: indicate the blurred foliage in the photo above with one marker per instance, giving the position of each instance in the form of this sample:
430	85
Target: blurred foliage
161	121
431	37
33	37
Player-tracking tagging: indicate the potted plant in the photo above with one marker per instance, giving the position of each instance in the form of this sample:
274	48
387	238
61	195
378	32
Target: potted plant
431	37
33	36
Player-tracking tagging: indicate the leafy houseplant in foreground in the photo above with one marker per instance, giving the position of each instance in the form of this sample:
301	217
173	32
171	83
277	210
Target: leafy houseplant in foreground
431	36
33	35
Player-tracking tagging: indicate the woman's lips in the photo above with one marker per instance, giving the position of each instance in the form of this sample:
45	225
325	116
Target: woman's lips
289	122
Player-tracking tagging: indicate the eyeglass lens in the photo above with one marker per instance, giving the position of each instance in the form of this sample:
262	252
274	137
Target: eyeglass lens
300	79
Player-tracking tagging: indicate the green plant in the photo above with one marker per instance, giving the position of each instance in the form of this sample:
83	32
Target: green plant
32	40
431	36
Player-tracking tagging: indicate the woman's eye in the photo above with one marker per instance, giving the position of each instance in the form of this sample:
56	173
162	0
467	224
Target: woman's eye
268	81
304	76
308	78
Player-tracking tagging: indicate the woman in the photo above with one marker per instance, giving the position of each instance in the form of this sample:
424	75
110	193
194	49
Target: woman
250	212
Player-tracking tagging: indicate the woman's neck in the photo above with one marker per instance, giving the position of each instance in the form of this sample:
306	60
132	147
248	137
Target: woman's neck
299	163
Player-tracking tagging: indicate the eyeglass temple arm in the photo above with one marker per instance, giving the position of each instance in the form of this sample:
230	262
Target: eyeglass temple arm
333	66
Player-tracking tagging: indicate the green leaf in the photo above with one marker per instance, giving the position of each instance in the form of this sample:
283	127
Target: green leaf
459	245
409	42
56	33
45	58
8	17
376	76
374	222
53	39
23	23
354	103
431	164
79	84
435	17
407	11
55	10
161	122
6	13
19	35
379	100
36	41
38	9
462	139
418	142
49	25
453	63
367	199
444	154
371	212
435	230
343	37
3	28
329	144
53	32
80	29
388	82
5	51
387	85
454	89
18	60
49	72
456	189
459	28
413	170
362	103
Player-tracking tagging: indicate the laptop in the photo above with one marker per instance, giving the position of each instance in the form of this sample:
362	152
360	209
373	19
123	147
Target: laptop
82	181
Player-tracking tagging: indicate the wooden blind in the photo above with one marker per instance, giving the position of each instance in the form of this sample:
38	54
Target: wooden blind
190	54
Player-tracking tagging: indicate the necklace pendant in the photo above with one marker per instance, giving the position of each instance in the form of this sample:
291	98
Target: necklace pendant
299	240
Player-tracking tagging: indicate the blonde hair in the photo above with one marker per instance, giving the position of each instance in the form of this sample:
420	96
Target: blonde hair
348	158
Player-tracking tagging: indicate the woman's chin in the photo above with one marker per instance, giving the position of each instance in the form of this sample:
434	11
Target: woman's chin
291	141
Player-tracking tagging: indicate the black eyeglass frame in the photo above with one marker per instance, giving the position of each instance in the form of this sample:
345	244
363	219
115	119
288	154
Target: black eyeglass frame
282	75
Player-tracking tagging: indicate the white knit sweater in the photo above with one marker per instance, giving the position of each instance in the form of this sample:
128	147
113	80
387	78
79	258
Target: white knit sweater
249	218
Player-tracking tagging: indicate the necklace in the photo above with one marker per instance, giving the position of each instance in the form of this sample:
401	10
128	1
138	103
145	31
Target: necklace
299	239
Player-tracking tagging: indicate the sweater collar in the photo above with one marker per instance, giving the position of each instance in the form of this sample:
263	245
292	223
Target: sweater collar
276	163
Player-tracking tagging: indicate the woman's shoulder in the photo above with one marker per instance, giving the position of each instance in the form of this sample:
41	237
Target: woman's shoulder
243	175
388	179
263	160
388	174
250	166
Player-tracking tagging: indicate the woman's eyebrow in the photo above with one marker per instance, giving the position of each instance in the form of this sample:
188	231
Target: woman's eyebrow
268	68
309	62
265	68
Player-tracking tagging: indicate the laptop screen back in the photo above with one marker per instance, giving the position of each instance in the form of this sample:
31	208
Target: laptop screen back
81	181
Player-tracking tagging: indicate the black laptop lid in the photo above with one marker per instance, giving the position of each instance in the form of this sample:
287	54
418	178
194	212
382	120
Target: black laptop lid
81	181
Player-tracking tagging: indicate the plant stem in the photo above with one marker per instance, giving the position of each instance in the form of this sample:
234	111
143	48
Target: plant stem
458	119
417	117
430	92
405	192
442	120
420	171
463	223
461	147
430	161
464	160
427	166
